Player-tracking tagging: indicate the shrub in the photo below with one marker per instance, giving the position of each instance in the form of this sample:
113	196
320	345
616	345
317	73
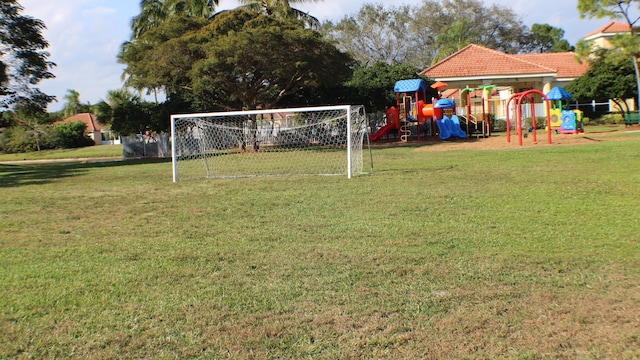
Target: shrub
541	122
499	125
612	118
70	135
18	139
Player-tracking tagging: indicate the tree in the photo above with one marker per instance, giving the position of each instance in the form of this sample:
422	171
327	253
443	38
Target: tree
375	33
239	59
23	61
610	76
372	85
417	34
618	9
126	113
29	128
153	13
161	57
72	104
455	37
495	27
70	135
255	60
546	38
282	8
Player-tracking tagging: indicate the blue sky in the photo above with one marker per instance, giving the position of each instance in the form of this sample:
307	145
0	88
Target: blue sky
85	35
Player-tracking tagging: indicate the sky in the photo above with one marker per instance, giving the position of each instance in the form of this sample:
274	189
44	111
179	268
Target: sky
85	35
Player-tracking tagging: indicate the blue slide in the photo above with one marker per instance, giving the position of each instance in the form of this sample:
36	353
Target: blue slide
450	127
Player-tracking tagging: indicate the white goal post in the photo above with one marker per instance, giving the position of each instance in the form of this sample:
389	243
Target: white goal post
325	140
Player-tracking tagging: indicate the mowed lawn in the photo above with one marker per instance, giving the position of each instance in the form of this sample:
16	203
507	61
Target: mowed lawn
510	254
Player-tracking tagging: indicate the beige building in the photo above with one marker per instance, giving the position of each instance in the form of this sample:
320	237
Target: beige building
600	37
98	133
475	67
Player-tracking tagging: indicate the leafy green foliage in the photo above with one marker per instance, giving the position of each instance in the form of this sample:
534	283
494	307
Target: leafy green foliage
70	135
19	139
73	105
416	34
31	136
376	33
626	45
372	86
262	61
610	76
127	114
240	59
154	13
606	8
161	58
130	118
546	38
23	61
282	8
454	37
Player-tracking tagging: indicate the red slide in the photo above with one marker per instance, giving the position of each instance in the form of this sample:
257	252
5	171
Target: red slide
382	131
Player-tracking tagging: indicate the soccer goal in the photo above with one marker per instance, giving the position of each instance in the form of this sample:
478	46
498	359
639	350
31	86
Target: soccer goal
297	141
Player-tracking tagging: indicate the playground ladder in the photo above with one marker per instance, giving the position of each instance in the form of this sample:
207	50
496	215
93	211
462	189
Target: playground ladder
404	125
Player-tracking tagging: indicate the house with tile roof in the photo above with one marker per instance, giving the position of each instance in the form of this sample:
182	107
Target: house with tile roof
476	66
600	37
97	132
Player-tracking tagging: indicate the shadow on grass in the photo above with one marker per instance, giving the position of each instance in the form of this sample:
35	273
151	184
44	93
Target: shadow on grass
43	173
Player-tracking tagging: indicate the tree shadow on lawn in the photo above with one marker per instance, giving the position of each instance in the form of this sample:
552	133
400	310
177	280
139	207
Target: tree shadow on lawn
15	175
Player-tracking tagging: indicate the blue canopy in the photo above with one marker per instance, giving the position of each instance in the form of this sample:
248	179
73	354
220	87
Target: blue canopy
409	86
444	104
558	93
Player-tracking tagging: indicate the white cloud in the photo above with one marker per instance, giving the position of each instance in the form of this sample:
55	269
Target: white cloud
85	38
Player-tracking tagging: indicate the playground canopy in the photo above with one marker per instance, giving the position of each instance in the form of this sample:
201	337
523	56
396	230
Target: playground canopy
409	86
439	85
444	104
558	93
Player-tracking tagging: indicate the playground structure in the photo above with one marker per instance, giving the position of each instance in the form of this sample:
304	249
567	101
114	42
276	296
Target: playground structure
407	111
482	126
563	120
518	98
412	109
448	123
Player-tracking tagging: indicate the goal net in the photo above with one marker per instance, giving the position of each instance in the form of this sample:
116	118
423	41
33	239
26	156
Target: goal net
297	141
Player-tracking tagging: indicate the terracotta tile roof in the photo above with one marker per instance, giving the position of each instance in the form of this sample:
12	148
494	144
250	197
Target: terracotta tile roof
478	61
611	28
87	118
565	63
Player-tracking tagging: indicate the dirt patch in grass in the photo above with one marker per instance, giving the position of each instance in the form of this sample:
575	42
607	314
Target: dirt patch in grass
498	141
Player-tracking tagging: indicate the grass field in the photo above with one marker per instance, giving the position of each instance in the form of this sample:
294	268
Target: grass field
510	254
101	151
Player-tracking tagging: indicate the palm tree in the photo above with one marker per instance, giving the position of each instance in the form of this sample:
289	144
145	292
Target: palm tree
115	98
283	8
453	38
72	103
198	8
155	12
122	96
